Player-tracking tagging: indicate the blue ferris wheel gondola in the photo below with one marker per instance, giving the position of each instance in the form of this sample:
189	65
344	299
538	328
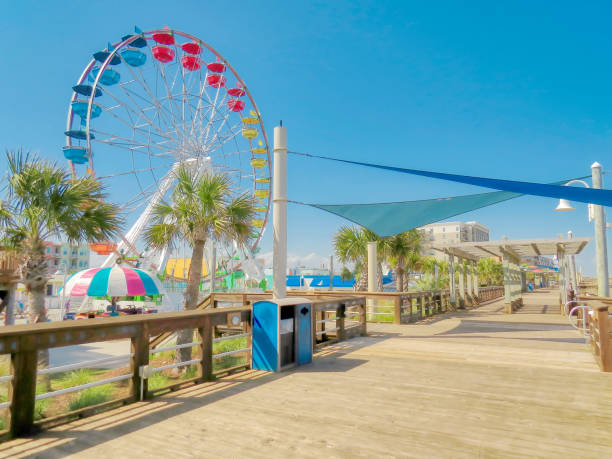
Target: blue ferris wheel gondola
133	57
76	154
80	107
80	134
140	42
109	76
101	56
85	90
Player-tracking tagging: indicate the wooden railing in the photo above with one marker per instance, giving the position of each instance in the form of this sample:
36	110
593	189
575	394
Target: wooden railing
599	325
490	293
334	319
601	337
389	307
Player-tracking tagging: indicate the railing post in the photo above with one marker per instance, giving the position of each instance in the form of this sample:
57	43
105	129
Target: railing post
340	335
364	318
140	349
397	303
423	310
605	349
248	328
22	391
205	333
411	299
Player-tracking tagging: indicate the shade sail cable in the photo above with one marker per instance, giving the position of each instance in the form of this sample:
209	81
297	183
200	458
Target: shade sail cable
587	195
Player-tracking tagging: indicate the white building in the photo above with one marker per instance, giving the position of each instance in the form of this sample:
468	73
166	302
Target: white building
449	232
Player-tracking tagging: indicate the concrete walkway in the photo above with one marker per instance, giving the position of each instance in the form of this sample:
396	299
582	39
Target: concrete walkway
469	384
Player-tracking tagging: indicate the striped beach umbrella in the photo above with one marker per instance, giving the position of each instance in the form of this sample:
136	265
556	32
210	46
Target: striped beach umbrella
115	281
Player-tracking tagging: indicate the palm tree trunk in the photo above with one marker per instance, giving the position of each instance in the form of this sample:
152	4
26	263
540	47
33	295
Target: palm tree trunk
400	279
406	281
361	285
35	280
37	314
191	299
379	276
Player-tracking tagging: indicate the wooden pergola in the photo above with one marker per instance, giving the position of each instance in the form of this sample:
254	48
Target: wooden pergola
511	252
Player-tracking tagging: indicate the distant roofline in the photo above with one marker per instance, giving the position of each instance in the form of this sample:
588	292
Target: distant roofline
473	223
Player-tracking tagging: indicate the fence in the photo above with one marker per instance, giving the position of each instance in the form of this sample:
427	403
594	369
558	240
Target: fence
596	321
600	328
135	372
390	307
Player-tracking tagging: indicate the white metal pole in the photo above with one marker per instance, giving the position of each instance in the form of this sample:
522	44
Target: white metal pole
331	272
372	265
601	246
572	268
279	212
452	285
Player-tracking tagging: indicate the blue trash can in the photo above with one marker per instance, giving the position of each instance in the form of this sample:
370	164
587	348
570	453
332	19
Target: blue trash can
282	333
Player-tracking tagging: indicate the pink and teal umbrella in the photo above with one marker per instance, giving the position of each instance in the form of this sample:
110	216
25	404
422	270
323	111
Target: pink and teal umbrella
115	281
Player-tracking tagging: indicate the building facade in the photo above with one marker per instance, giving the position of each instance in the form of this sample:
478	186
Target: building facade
66	257
452	232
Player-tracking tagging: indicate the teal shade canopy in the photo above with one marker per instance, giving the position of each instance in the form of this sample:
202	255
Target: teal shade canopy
391	218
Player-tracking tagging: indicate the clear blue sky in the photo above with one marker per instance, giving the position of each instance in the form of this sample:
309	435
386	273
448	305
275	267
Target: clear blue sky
511	90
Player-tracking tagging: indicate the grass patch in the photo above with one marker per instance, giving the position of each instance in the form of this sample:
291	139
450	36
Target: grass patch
229	345
159	380
40	408
91	396
229	360
5	365
75	378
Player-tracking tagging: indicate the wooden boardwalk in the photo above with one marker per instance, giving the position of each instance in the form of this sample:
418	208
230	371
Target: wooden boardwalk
469	384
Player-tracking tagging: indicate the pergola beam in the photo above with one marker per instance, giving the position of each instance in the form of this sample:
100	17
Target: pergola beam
462	254
487	251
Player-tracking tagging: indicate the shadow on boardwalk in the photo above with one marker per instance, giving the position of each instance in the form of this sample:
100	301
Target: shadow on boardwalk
78	436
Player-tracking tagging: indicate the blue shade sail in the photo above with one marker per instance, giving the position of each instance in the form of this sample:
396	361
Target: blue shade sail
85	90
76	154
390	218
80	107
587	195
133	57
109	76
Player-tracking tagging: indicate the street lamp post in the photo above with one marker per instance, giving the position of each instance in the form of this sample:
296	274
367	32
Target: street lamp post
596	213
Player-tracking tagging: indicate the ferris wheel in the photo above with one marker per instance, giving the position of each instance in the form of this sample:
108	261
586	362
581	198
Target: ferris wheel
154	101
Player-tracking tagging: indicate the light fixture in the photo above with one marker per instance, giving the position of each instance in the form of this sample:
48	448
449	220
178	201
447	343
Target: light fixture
564	206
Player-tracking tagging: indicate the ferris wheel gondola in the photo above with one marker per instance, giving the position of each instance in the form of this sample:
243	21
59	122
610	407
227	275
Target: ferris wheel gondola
157	100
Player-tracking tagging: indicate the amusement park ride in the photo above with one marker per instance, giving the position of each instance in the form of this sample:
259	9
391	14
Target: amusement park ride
154	101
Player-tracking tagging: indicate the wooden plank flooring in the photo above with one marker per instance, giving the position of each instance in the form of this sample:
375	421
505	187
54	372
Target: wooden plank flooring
469	384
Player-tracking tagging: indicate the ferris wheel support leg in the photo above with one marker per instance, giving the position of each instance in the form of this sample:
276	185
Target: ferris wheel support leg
279	212
133	234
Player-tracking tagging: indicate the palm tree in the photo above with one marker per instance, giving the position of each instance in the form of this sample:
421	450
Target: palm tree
401	248
43	202
346	274
414	263
351	246
490	271
201	209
